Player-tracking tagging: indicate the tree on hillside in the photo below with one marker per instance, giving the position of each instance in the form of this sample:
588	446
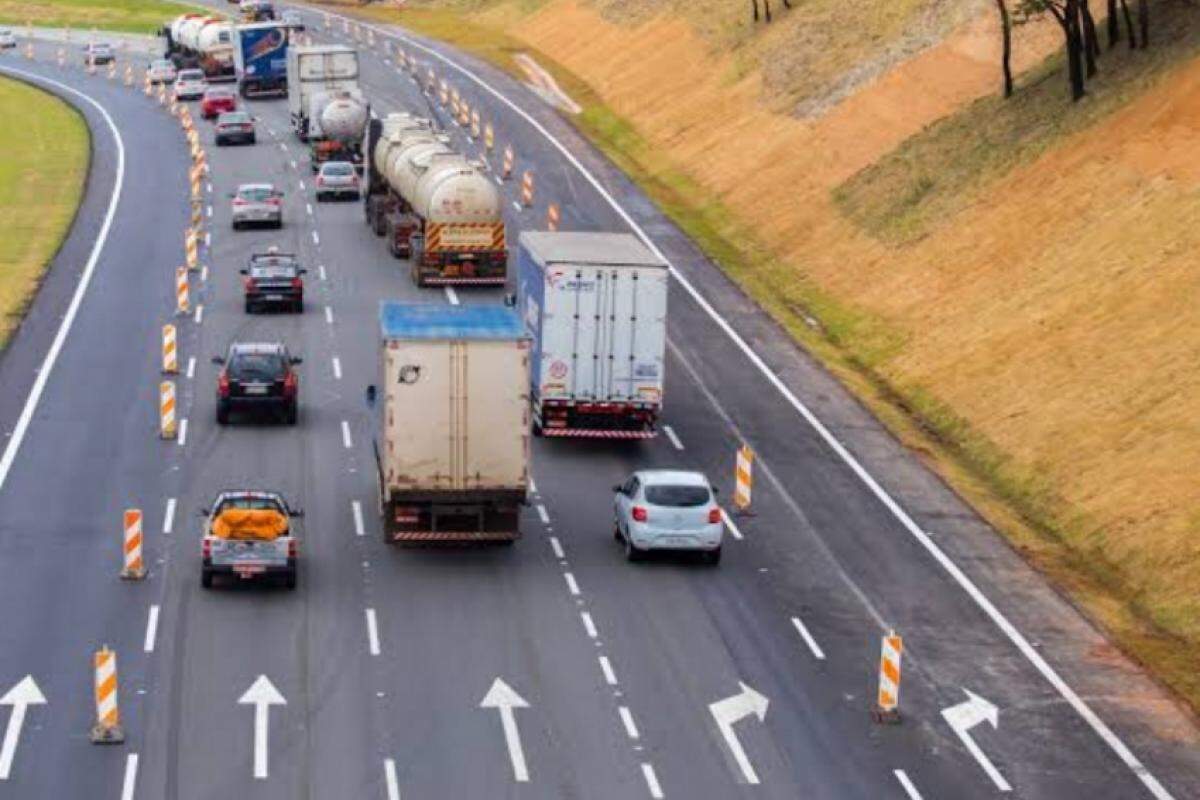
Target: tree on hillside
1006	33
1069	15
767	8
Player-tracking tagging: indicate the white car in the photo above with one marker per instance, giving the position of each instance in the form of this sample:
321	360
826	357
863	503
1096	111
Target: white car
162	71
98	53
660	509
190	85
7	40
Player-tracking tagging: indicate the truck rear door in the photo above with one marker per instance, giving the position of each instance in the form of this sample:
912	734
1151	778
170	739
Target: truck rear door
248	557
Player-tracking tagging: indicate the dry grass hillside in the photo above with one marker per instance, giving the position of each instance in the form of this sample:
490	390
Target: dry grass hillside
1017	279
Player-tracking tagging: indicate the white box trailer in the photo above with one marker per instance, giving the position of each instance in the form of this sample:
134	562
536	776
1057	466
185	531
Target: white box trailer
453	450
315	74
595	305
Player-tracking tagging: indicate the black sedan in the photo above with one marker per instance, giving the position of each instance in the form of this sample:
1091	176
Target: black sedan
258	377
274	280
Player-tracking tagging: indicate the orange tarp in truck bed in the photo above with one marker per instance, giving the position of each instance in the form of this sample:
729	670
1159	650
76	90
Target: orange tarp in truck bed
257	524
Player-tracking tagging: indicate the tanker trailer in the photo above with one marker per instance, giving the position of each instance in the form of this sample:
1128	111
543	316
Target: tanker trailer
341	117
195	41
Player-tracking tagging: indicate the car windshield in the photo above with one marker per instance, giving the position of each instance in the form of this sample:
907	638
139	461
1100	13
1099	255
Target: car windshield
257	194
337	170
234	118
248	503
677	496
266	366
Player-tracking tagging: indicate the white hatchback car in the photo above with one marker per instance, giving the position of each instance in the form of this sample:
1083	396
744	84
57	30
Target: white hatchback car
7	39
190	85
162	71
663	509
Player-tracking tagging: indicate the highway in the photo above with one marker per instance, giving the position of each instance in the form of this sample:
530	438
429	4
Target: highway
551	669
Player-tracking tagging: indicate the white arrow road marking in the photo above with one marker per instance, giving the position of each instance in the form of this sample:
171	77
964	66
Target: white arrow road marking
966	715
262	694
728	712
502	697
25	694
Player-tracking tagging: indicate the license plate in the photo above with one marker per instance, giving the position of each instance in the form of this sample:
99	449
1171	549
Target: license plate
273	297
249	572
256	390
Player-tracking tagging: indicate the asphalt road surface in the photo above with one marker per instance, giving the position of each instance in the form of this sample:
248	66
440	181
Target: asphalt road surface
602	679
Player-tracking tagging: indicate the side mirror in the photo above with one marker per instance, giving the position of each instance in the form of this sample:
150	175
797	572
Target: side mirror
619	489
296	512
714	490
371	395
231	195
204	512
302	271
296	360
243	271
218	360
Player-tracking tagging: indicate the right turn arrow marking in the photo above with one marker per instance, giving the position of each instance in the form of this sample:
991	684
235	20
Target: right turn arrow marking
502	697
728	712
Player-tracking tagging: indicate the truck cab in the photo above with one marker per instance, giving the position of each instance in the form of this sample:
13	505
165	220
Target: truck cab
249	535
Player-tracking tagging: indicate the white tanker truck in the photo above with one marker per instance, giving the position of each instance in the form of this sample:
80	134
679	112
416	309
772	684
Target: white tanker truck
198	41
328	109
433	205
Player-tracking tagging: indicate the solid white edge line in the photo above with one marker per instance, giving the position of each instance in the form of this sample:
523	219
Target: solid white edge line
998	619
734	531
670	432
389	777
169	516
808	639
572	586
627	719
346	440
909	788
151	630
356	511
182	439
610	677
372	633
542	514
652	781
557	547
130	782
588	624
85	279
337	368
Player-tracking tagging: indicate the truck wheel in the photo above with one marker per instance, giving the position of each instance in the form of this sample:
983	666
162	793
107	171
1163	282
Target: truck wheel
206	578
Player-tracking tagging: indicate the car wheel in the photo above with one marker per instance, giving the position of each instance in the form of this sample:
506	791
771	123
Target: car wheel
632	551
237	225
291	414
253	140
299	307
206	578
222	414
289	580
278	224
249	307
617	531
713	557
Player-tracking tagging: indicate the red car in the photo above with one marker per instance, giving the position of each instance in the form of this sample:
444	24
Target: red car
216	102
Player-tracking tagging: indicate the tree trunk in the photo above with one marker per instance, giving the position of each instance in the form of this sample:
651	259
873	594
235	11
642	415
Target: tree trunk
767	9
1068	18
1006	57
1091	45
754	3
1114	24
1129	24
1144	22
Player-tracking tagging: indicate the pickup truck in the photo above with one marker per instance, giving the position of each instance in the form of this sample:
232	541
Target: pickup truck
249	534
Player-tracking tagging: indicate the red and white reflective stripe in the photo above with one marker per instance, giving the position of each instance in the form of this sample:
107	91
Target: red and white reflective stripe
170	358
590	433
743	478
889	672
457	536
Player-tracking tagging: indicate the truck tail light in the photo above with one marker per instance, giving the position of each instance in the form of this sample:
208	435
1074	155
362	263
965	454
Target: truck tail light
640	514
250	284
223	385
714	515
289	385
205	548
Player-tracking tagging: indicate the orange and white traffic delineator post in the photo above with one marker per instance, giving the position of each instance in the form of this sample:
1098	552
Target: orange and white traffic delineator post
162	95
489	137
147	87
166	410
464	113
90	69
527	188
430	79
506	169
454	98
128	75
170	355
476	128
29	51
134	568
743	477
887	705
112	70
191	243
552	217
443	92
182	306
107	729
370	37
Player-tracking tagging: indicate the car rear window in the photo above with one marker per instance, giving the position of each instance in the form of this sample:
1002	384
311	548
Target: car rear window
264	366
191	75
337	169
249	503
233	118
677	496
257	195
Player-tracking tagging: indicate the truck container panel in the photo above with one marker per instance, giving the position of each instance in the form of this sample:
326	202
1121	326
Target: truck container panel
595	305
260	54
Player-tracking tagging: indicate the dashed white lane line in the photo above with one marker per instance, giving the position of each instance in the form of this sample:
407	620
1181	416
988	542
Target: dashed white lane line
199	314
652	781
452	295
283	147
191	370
321	272
356	510
208	239
372	632
556	546
293	163
209	187
588	624
130	783
169	516
204	272
389	777
808	639
733	529
572	586
542	515
517	206
151	630
308	208
316	237
208	211
627	720
670	432
337	368
329	314
532	486
301	185
182	432
909	788
610	677
498	181
346	435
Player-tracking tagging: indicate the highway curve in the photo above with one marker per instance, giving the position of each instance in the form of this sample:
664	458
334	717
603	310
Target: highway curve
383	655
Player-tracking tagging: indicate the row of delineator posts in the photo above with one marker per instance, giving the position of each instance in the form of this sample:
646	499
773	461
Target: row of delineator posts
107	728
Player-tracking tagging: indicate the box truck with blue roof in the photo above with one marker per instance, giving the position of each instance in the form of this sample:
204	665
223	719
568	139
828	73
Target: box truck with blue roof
595	305
260	56
453	445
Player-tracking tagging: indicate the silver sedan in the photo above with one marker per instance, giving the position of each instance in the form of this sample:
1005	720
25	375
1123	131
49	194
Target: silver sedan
661	509
257	204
